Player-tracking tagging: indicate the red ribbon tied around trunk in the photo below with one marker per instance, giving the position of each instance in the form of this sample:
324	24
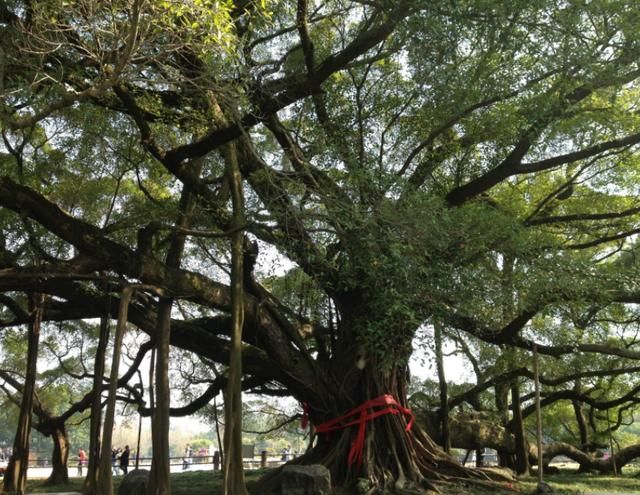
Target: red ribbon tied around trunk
361	415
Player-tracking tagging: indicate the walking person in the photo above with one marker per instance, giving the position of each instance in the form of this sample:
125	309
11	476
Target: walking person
114	461
82	460
186	459
124	459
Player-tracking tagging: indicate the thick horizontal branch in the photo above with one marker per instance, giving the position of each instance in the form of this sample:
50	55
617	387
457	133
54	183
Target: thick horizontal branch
552	397
207	396
528	168
506	335
204	336
525	372
584	217
497	337
603	240
512	163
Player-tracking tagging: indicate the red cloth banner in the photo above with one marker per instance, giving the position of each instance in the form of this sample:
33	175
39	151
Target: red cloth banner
360	416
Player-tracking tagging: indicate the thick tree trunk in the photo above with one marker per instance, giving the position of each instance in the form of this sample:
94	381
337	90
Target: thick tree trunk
93	471
15	477
389	456
60	456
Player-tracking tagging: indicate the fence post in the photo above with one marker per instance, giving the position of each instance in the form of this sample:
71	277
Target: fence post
263	459
216	460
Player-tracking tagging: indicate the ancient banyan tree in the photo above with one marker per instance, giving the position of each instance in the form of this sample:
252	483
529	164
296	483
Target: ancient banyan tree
304	185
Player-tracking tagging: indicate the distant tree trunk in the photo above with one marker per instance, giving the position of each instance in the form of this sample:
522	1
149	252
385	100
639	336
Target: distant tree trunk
507	305
152	396
442	382
611	449
536	377
581	420
522	450
469	432
93	471
138	441
152	369
583	429
505	459
234	483
589	462
479	457
217	421
105	482
60	455
15	477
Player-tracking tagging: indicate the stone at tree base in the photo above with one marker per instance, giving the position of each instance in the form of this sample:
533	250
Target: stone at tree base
544	488
134	483
305	480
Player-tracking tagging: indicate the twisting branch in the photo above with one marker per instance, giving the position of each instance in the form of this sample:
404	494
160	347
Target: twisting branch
111	77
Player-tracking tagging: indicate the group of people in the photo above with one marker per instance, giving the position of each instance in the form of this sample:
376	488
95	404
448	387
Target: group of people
120	457
119	460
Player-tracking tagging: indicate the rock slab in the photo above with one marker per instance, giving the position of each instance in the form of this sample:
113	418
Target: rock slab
305	480
544	489
134	483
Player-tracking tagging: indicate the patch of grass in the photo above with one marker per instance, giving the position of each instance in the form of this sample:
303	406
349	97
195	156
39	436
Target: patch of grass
188	483
74	485
575	484
37	486
210	482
